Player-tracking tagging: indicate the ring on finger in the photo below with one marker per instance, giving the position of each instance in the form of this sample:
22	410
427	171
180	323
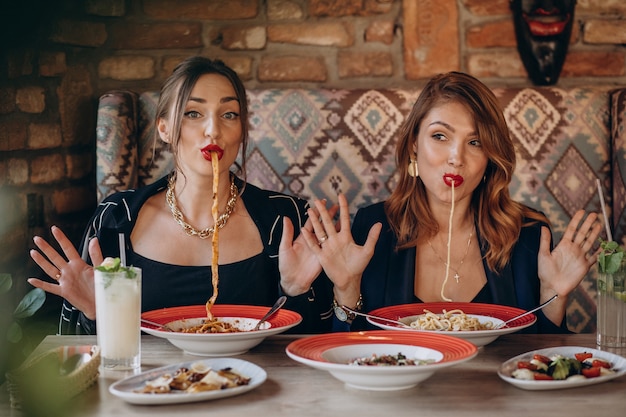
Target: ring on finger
57	276
322	240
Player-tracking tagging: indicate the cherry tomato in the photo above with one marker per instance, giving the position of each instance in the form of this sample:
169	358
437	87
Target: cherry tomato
542	377
592	372
542	358
526	365
582	356
600	364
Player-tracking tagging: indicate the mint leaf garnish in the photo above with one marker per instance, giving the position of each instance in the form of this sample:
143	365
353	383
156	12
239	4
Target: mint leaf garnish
115	265
611	256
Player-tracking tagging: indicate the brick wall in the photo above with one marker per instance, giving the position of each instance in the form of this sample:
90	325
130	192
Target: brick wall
59	56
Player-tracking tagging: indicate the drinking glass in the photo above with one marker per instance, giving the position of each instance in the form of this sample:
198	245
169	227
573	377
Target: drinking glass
611	309
118	318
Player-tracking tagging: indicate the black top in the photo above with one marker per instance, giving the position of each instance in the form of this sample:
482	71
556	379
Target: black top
483	296
252	281
389	277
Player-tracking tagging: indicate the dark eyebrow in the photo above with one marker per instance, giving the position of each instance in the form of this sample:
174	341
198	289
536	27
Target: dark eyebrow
222	100
448	126
444	124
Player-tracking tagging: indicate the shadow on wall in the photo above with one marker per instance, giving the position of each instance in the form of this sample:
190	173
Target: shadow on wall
25	23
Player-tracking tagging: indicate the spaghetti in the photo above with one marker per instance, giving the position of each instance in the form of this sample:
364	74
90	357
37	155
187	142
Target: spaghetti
453	320
445	280
212	325
215	237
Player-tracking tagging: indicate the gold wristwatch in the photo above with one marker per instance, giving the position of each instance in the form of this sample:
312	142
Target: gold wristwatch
345	315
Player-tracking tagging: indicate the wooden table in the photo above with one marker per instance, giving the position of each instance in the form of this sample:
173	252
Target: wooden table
470	389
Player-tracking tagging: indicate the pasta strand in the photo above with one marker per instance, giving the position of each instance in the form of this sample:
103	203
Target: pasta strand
445	280
215	237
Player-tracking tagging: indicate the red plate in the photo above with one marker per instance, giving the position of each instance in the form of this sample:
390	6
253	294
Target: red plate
452	348
166	315
501	312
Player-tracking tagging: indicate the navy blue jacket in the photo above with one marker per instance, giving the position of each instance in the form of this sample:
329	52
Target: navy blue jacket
389	277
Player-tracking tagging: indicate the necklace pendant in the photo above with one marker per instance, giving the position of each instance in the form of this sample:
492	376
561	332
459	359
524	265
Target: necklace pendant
456	277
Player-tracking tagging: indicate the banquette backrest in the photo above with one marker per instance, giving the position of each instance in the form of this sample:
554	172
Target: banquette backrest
314	143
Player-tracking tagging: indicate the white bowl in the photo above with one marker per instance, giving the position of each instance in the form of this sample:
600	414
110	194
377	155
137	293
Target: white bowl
407	313
218	344
333	352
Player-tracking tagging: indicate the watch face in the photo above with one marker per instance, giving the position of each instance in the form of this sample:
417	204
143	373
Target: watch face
341	313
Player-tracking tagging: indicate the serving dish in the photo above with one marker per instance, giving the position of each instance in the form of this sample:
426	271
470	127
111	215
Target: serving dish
407	313
507	368
69	369
127	388
333	352
218	344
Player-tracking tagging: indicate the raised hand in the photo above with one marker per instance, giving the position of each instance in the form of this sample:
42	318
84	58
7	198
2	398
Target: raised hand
342	259
562	269
73	276
298	265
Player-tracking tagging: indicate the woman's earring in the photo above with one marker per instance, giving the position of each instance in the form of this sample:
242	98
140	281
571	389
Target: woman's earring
413	171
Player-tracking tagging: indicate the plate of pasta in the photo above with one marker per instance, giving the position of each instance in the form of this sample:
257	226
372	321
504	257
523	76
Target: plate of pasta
193	381
380	360
475	322
231	333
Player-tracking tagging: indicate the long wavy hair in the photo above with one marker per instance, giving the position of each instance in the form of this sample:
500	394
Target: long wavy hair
175	93
499	218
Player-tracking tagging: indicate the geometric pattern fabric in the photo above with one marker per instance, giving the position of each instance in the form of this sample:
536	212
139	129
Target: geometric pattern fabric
315	143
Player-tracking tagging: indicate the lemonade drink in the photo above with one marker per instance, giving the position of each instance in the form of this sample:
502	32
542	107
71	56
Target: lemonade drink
611	310
118	314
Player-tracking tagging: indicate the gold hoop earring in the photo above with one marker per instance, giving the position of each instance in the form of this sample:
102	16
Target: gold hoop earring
412	169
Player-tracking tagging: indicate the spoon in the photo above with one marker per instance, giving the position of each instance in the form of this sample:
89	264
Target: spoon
501	325
358	313
277	305
162	326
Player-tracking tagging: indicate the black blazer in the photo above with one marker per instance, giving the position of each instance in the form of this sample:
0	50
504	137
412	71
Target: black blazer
118	212
389	277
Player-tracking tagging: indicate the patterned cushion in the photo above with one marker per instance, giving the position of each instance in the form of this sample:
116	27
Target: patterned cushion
317	143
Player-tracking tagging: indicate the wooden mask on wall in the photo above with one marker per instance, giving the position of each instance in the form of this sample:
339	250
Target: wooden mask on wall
543	29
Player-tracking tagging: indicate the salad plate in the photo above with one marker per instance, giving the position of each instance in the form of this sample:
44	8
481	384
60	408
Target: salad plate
218	344
618	365
494	313
127	389
337	353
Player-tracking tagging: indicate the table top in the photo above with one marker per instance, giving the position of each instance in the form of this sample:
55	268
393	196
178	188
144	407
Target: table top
468	389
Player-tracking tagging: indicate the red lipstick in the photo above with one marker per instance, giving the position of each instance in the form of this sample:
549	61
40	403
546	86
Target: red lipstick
449	178
206	152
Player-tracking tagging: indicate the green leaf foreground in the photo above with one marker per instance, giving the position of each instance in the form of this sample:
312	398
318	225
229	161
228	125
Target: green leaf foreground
30	304
611	257
6	282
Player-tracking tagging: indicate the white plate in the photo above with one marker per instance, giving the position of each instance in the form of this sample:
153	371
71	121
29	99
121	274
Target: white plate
618	362
125	388
332	352
407	313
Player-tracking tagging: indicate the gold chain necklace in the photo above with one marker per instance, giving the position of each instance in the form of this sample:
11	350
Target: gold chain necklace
456	270
170	197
